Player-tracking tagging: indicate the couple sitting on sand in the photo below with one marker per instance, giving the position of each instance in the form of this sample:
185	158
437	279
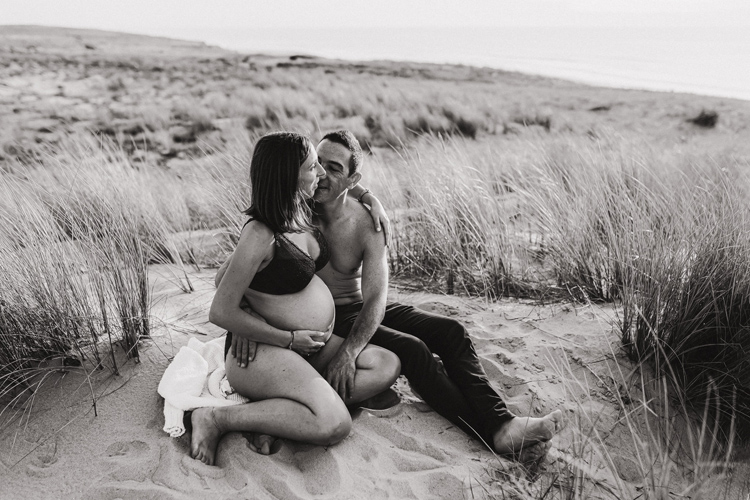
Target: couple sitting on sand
298	265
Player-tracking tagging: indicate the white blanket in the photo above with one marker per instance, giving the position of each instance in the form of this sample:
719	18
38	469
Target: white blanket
195	378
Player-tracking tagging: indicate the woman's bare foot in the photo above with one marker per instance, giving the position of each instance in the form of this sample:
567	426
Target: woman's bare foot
262	443
520	434
205	436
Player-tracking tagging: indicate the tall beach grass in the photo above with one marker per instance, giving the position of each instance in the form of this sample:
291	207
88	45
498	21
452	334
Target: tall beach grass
659	233
663	234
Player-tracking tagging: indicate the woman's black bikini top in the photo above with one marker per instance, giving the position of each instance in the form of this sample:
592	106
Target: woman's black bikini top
291	268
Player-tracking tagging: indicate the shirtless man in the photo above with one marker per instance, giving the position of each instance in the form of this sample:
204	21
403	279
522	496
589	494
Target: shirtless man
357	276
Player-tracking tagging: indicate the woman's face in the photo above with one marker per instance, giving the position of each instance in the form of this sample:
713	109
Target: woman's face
310	172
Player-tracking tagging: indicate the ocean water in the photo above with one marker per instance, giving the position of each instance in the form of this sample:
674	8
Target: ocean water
700	60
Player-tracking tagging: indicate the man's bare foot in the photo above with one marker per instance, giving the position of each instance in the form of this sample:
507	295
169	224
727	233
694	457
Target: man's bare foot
262	443
532	454
522	433
205	436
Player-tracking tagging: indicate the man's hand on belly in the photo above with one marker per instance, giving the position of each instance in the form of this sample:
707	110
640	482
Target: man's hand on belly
340	373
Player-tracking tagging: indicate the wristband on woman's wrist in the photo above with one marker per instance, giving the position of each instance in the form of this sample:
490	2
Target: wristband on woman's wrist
359	200
291	342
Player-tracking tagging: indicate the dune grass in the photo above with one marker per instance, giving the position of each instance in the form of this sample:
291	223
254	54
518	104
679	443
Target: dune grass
645	445
495	189
662	236
668	242
450	227
77	235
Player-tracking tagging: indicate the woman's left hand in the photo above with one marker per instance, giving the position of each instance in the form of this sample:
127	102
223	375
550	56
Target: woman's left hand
379	217
308	342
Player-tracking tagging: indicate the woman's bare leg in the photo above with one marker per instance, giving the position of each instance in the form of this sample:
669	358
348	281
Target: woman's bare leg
291	401
377	368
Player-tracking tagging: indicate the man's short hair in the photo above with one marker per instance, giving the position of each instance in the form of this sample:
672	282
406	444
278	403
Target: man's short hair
347	139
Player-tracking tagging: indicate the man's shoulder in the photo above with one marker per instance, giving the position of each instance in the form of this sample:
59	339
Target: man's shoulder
362	223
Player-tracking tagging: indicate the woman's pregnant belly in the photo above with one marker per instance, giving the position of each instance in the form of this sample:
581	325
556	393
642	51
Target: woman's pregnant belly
309	309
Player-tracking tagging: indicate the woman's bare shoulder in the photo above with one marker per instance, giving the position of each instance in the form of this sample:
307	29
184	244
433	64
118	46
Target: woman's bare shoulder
257	229
256	234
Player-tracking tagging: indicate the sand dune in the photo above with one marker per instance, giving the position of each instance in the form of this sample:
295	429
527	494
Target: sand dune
65	448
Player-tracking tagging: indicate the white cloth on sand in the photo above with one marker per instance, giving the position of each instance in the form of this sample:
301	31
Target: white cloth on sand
195	378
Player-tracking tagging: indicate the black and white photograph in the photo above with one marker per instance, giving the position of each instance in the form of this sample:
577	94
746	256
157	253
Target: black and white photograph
342	250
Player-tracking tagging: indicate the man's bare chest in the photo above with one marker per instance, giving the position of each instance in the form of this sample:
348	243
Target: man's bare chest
346	250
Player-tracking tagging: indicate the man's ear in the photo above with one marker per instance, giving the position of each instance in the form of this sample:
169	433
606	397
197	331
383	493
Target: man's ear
354	179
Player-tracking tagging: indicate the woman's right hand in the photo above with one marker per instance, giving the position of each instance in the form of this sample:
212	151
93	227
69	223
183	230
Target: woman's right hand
308	342
243	350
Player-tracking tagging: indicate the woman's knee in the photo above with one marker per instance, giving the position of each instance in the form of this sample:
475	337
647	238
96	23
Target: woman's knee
332	426
382	361
390	365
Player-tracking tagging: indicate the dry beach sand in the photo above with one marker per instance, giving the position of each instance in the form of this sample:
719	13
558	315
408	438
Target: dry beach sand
66	448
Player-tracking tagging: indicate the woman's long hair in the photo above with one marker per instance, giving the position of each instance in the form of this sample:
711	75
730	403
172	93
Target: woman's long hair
274	175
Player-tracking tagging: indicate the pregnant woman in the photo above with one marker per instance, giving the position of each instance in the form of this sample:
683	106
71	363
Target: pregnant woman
276	258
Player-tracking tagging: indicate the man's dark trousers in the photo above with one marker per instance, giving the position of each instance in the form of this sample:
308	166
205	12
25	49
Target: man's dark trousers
461	393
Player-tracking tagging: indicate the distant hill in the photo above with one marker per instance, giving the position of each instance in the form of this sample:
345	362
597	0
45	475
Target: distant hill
162	100
71	41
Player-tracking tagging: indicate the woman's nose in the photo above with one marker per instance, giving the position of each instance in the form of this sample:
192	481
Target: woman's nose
321	171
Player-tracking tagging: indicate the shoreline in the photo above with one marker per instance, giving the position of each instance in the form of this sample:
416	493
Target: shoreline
571	68
598	68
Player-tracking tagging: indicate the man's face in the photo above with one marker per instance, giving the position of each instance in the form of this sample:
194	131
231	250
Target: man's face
335	160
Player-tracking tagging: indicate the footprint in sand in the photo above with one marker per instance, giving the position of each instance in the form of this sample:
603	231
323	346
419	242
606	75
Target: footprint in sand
44	457
439	308
154	423
125	449
503	358
131	491
444	485
278	488
510	344
386	488
190	466
320	470
411	463
409	443
509	386
133	460
369	453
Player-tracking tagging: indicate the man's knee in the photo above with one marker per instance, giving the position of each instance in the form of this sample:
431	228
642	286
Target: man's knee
456	334
413	354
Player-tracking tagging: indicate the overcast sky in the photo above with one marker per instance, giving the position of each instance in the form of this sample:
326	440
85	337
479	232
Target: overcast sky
169	17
